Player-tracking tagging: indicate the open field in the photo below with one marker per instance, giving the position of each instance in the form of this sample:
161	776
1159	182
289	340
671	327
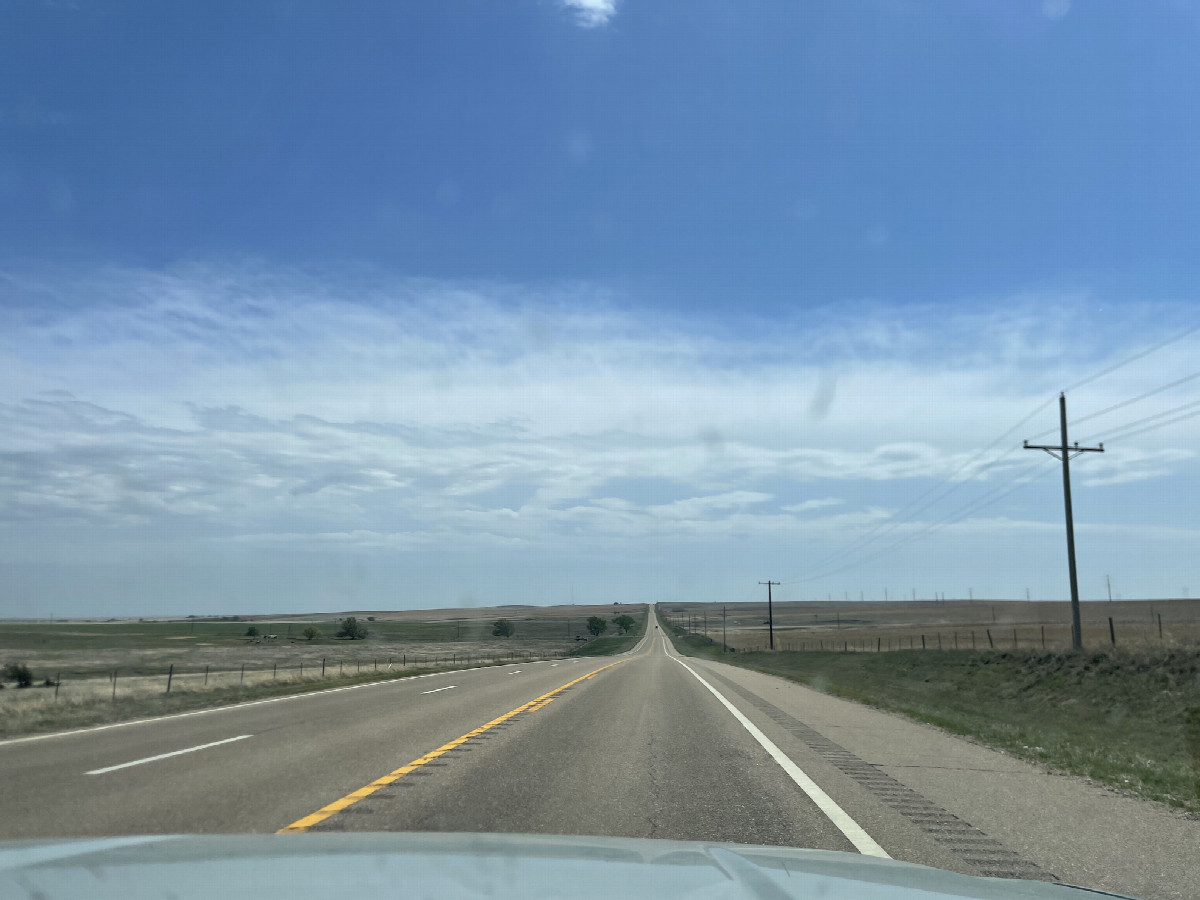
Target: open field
955	624
89	672
1128	717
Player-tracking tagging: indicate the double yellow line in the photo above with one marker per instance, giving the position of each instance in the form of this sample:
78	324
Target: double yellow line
337	806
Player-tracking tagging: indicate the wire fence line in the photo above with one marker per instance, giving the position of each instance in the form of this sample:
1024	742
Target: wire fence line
1107	633
135	680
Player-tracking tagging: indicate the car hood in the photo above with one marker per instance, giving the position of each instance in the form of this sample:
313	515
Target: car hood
263	867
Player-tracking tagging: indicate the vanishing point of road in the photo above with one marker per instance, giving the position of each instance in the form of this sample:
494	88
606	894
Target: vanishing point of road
644	744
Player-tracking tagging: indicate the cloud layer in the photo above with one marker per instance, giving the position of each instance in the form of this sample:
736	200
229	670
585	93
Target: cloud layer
224	409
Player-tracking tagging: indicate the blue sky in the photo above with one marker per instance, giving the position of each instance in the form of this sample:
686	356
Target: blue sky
318	305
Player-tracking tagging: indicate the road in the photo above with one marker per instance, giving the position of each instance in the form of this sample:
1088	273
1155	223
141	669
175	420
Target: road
647	744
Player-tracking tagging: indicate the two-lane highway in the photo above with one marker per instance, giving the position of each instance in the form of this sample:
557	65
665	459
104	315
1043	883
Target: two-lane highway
646	744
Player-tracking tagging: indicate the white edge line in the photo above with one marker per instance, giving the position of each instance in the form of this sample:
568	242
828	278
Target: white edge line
213	709
148	759
863	842
448	687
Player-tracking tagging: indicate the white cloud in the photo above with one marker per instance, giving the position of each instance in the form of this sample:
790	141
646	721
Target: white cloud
1055	9
808	505
592	13
353	413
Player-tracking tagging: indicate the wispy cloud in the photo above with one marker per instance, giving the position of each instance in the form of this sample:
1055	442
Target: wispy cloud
252	407
592	13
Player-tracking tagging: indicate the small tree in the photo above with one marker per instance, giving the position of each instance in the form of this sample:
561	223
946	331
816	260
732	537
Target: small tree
252	631
596	625
310	632
625	623
19	672
352	629
503	628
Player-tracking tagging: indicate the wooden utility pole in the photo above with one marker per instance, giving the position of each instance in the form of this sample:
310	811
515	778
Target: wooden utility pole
1065	453
724	644
770	612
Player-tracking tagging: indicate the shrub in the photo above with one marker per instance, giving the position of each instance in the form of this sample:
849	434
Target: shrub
252	631
625	623
352	629
19	672
310	632
503	628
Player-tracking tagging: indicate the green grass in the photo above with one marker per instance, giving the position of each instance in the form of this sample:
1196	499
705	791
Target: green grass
615	643
1127	718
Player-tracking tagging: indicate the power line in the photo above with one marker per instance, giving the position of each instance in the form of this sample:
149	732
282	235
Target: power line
1191	415
905	513
1123	403
1117	429
1142	355
979	503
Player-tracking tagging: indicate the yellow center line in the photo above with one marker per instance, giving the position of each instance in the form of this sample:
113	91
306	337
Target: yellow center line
350	799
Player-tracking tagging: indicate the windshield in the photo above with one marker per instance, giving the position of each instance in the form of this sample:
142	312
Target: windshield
758	422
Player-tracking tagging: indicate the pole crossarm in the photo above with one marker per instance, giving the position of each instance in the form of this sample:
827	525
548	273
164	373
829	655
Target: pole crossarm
1073	451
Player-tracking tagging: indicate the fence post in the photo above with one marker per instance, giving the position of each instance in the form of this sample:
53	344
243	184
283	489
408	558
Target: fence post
922	642
878	644
206	676
114	692
1112	634
57	684
242	677
1043	637
1014	639
170	675
274	669
939	634
1160	637
322	667
972	640
991	643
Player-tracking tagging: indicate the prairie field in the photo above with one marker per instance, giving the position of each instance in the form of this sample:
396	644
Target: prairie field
92	671
949	625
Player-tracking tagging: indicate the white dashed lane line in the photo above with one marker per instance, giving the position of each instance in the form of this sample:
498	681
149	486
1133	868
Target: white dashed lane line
149	759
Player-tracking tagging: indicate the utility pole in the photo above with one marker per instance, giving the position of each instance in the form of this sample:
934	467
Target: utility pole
724	645
1065	453
1108	581
770	612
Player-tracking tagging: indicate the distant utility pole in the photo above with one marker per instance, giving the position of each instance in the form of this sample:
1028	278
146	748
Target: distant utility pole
1108	581
770	612
724	644
1066	452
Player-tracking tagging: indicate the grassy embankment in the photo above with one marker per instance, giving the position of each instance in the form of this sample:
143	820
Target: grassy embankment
1127	718
616	643
49	716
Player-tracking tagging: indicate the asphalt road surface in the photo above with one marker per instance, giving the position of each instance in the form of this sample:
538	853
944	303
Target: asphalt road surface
646	744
